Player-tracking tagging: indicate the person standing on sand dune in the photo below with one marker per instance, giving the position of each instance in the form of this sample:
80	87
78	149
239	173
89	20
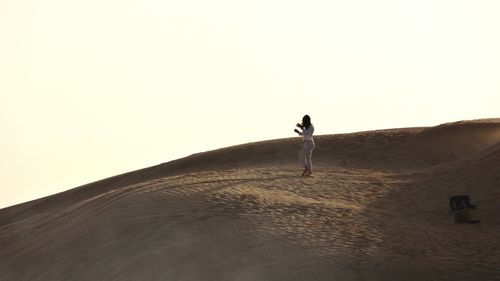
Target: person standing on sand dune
305	154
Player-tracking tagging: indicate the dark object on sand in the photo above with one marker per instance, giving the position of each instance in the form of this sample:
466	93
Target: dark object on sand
461	207
460	202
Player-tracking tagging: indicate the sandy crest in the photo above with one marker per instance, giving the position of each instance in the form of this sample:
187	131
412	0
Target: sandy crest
375	209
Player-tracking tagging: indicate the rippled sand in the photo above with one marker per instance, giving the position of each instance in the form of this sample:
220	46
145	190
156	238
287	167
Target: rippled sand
375	209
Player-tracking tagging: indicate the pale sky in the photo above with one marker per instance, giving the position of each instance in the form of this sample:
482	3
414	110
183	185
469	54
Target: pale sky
93	88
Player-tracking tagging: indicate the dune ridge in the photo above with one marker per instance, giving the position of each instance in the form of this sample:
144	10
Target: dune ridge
375	208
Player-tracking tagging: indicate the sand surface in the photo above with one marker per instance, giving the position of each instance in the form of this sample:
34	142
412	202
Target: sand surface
376	208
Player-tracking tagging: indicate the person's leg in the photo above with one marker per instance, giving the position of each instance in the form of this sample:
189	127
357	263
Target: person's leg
308	161
309	157
302	156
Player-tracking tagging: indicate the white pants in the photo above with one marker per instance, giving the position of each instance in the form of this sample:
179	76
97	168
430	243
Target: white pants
306	153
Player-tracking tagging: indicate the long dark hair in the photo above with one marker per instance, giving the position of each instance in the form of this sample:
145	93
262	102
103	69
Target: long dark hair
306	121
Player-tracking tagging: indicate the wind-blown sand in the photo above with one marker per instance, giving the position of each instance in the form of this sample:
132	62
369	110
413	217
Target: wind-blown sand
376	208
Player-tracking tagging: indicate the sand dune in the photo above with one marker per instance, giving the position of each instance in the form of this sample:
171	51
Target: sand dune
453	141
375	209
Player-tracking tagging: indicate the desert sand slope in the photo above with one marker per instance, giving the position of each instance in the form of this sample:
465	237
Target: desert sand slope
376	208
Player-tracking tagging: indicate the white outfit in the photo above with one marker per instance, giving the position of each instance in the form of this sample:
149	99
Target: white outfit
305	154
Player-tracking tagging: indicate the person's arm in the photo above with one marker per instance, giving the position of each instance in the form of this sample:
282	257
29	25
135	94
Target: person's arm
299	132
